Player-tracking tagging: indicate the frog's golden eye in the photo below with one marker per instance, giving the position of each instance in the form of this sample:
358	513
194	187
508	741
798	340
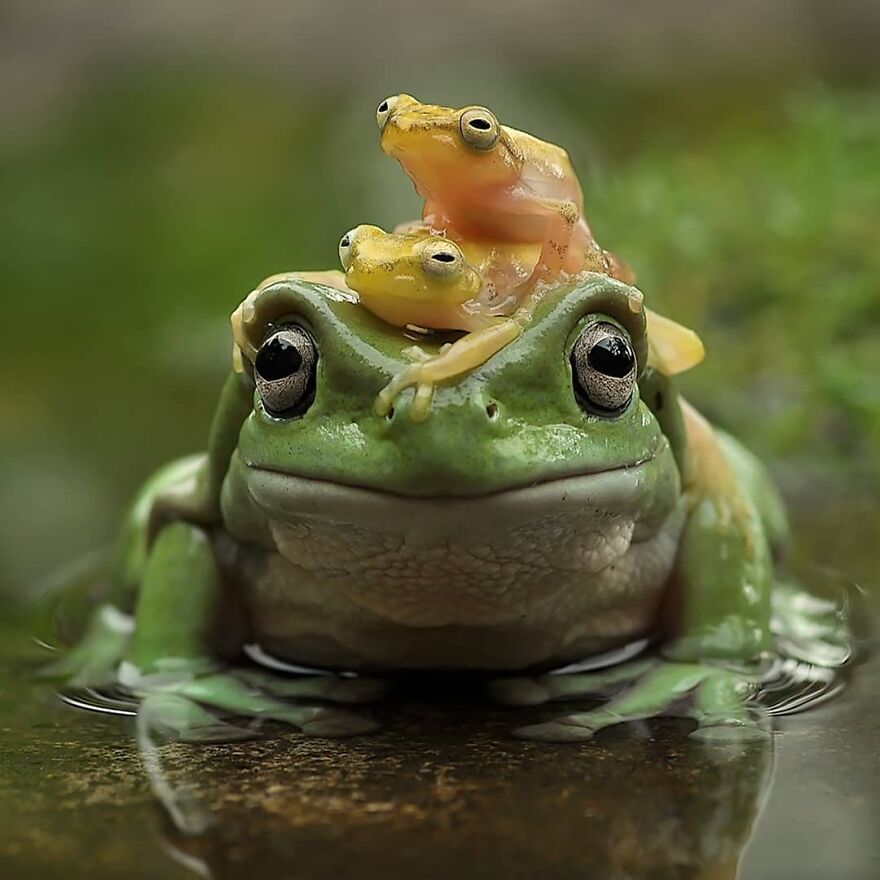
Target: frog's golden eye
284	371
603	366
384	110
442	260
345	248
479	128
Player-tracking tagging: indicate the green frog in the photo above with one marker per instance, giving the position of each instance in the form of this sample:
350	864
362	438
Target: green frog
562	503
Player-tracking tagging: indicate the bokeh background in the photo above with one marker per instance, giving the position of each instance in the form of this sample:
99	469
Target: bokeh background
158	159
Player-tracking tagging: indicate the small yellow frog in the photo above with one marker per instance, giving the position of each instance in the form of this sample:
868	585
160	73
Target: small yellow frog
514	205
431	282
484	181
423	280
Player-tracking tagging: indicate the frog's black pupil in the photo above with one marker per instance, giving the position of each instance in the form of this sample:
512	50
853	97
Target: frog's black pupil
611	356
278	359
443	258
481	124
383	106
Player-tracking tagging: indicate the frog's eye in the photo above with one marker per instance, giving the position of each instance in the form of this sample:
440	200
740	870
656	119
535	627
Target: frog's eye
603	367
345	248
479	128
284	370
442	260
384	110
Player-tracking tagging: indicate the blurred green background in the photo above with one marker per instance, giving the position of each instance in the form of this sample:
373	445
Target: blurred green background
157	160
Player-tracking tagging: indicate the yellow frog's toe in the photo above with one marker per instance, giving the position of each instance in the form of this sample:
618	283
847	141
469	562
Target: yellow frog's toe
412	376
420	408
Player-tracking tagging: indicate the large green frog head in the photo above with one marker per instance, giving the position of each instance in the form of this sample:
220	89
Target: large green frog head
562	401
541	465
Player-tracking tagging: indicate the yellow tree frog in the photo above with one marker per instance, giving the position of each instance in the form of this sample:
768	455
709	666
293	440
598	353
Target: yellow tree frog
485	181
426	281
432	282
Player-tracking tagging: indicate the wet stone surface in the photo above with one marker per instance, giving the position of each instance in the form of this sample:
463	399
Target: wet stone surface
442	791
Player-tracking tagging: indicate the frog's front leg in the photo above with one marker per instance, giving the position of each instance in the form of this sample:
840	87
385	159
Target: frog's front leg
186	621
720	612
562	217
719	700
465	354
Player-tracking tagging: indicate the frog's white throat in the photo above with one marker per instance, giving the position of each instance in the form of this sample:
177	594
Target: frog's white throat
602	496
595	548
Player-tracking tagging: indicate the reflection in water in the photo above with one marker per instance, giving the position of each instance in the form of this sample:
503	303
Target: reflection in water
444	796
444	790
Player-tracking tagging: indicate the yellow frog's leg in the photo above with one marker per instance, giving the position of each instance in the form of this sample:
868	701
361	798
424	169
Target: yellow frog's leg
672	348
242	346
562	216
465	354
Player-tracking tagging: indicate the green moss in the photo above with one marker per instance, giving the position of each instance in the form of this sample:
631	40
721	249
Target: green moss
763	239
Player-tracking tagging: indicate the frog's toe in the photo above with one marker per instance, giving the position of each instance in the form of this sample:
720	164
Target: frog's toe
93	662
358	690
334	724
518	691
731	730
319	687
560	730
416	355
420	408
178	718
221	732
80	671
385	400
412	376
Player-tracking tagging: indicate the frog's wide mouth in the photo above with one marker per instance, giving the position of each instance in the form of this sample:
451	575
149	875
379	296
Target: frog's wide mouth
285	496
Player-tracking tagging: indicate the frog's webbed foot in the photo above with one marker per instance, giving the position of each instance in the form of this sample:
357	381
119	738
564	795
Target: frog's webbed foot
535	690
93	660
411	376
333	688
183	707
720	706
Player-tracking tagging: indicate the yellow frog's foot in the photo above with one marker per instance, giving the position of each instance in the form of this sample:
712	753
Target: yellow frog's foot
420	356
471	351
411	376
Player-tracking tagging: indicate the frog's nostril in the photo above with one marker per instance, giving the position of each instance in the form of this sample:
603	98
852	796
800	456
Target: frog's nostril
390	414
492	410
383	107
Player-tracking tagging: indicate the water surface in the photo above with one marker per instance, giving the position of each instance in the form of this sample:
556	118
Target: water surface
443	791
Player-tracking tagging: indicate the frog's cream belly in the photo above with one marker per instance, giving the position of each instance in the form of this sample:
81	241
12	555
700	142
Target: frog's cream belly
554	586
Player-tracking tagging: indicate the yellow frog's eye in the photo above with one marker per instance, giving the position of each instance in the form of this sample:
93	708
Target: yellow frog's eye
442	260
479	128
345	248
384	110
